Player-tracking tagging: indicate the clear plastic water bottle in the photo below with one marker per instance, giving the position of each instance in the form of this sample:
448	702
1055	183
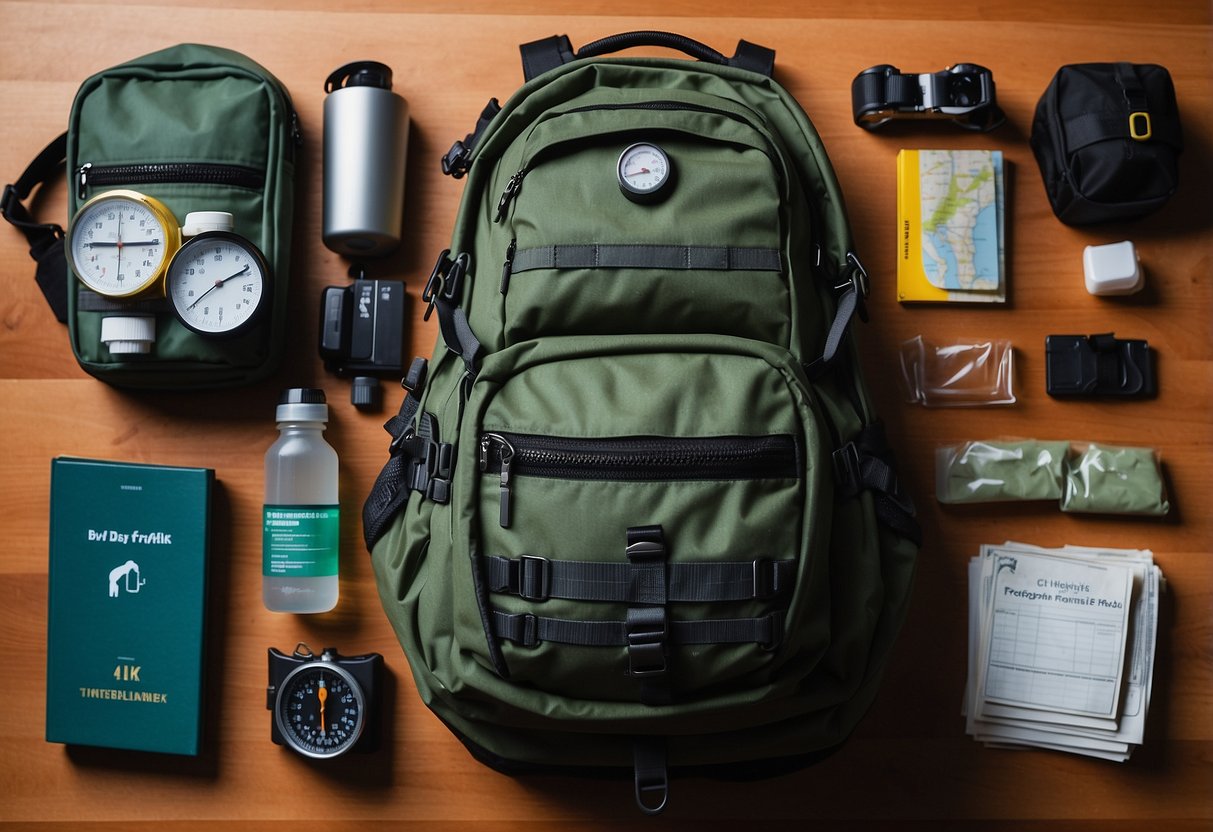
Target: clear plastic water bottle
301	515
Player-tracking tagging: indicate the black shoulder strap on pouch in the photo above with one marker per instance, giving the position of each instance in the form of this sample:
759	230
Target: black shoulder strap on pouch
45	239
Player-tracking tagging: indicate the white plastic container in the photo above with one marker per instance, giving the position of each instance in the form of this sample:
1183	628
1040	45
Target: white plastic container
1113	269
301	515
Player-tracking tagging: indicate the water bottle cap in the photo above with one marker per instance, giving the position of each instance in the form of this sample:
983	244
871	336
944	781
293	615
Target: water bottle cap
360	74
302	404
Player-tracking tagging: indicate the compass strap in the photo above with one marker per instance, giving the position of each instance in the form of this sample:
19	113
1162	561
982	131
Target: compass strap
45	239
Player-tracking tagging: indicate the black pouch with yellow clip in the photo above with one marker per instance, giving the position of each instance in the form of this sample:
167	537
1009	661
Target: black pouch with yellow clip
1107	139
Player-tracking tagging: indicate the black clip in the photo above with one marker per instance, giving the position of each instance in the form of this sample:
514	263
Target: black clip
534	578
847	474
1098	365
646	631
765	584
457	160
444	281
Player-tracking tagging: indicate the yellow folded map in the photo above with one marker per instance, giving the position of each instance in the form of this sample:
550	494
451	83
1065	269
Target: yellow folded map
950	226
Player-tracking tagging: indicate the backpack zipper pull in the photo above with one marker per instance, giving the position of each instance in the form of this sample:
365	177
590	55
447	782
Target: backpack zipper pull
82	180
509	263
511	188
507	458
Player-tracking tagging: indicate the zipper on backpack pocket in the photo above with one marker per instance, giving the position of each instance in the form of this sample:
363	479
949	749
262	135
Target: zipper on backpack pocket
514	184
159	173
635	459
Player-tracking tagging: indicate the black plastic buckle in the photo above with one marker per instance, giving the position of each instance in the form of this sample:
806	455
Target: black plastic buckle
529	637
7	201
444	280
764	584
401	439
415	378
438	458
534	578
457	160
771	644
859	275
646	632
645	550
847	473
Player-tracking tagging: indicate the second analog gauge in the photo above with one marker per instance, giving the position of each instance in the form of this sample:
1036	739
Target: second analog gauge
219	284
644	172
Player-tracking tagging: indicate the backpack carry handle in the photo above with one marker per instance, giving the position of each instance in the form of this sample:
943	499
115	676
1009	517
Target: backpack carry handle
549	53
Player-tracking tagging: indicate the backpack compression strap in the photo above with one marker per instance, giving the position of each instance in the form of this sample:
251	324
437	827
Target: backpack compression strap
543	55
45	239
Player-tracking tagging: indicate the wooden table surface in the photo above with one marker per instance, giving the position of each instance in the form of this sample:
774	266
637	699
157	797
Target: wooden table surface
909	764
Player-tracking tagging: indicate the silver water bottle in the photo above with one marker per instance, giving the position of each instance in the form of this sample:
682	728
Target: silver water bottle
366	134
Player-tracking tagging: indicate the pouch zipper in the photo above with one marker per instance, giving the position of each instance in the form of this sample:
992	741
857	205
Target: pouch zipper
514	184
635	459
158	173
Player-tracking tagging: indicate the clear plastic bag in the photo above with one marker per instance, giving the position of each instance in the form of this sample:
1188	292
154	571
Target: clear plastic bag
958	375
1109	480
998	471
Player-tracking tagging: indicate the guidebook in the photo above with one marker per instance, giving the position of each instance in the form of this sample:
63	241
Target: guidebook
128	555
950	226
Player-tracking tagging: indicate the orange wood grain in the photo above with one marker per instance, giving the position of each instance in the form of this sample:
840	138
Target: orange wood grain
909	765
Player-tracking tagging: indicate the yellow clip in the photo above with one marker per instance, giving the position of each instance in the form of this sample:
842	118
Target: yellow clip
1136	130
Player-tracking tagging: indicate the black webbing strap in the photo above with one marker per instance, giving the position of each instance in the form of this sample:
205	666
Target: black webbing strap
852	290
647	627
442	293
538	579
530	630
1090	128
667	257
458	159
392	486
45	239
89	301
867	464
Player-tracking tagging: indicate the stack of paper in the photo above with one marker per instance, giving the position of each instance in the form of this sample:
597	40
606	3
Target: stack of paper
1061	648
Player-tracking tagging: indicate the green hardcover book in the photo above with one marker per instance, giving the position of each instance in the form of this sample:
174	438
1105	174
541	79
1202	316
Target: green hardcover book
128	556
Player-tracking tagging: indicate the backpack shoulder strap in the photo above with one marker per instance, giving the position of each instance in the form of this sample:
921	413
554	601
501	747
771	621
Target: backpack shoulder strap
45	239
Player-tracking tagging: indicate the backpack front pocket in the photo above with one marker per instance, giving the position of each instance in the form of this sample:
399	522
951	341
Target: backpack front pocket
704	252
636	516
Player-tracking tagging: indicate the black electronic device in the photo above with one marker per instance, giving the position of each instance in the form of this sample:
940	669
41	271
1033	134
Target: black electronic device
1098	365
324	705
362	328
962	94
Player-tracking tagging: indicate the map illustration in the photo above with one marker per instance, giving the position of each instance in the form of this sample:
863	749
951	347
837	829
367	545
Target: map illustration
959	193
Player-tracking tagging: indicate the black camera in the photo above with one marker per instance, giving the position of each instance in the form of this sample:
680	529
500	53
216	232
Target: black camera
962	94
362	328
324	705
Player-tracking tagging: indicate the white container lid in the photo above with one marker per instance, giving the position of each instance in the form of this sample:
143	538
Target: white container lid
197	222
128	335
1112	269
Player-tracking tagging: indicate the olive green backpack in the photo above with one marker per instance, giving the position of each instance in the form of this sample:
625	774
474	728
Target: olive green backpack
638	512
198	128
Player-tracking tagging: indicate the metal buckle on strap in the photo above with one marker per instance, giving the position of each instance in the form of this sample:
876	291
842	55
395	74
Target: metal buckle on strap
534	578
